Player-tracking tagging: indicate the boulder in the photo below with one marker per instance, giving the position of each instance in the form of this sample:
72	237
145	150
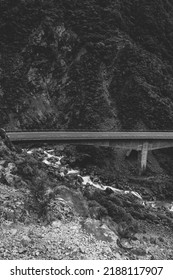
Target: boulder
125	244
140	251
25	240
99	230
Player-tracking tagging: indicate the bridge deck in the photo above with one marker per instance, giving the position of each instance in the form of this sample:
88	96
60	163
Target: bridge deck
140	141
64	135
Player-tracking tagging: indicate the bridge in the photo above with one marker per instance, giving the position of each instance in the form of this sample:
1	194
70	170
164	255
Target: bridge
139	141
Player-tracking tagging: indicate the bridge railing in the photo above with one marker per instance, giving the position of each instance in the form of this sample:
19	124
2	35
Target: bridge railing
85	130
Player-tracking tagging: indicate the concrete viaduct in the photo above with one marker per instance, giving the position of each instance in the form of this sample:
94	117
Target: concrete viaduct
139	141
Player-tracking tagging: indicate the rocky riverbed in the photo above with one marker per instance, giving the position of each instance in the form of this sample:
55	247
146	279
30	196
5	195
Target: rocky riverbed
53	206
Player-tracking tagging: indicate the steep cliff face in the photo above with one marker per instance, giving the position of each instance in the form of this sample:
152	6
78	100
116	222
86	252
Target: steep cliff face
87	64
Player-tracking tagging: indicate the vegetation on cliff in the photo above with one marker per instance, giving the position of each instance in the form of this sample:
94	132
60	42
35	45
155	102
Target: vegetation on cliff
87	64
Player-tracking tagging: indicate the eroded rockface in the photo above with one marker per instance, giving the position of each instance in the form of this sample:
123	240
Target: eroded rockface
86	64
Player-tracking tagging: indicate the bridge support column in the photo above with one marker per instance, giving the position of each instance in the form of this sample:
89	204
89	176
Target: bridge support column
143	158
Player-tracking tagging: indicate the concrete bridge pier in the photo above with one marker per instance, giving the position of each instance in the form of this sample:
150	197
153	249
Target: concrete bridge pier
142	158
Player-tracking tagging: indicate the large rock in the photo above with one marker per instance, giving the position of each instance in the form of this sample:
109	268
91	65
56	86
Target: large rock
99	230
4	150
25	241
73	199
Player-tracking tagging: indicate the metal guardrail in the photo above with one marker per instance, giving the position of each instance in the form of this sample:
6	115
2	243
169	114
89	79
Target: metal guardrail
86	130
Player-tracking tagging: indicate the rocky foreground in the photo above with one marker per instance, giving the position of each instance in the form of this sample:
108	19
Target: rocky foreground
52	209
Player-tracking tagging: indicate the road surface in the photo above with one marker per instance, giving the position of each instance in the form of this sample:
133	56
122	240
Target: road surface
67	135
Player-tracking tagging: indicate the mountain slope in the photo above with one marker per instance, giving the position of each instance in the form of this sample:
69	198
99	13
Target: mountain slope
86	64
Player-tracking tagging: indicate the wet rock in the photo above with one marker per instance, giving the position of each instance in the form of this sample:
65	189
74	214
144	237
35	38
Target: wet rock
73	173
96	180
80	179
109	191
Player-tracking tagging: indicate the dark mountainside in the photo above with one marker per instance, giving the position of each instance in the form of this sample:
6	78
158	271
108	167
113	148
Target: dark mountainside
87	64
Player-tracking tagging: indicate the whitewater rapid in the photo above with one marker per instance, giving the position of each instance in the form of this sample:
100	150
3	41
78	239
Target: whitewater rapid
55	161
